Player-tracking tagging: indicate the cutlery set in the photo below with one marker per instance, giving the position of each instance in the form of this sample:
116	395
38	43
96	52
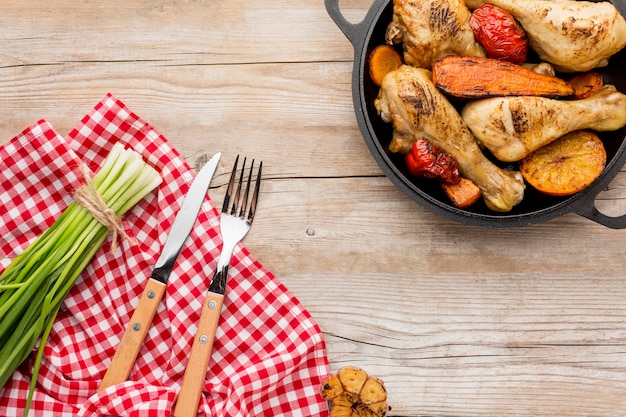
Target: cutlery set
235	221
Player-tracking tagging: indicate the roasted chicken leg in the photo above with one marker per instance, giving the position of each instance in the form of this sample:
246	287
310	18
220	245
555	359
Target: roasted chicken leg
431	29
513	127
409	100
574	36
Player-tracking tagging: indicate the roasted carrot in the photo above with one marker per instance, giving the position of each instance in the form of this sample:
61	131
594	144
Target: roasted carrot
382	60
474	77
462	194
586	84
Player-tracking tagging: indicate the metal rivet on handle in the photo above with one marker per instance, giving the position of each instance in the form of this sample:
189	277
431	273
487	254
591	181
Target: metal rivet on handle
151	294
203	339
212	304
136	327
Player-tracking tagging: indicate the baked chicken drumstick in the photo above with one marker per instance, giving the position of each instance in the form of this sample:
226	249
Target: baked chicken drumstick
409	99
513	127
431	29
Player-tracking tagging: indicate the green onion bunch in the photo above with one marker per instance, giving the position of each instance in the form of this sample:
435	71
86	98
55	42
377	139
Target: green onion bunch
34	285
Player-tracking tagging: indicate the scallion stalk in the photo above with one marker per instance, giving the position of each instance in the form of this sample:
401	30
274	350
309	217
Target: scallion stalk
34	285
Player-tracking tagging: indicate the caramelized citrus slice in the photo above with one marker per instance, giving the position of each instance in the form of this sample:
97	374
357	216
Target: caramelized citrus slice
331	387
352	379
382	60
567	165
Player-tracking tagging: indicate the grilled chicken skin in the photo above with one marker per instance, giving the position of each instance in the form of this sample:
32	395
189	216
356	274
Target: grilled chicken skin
409	100
574	36
431	29
513	127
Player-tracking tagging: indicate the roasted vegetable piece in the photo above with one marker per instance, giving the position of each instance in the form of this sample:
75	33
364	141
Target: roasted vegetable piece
471	77
373	391
361	395
331	387
352	380
567	165
342	407
382	60
425	160
378	409
499	33
586	84
342	411
463	194
342	400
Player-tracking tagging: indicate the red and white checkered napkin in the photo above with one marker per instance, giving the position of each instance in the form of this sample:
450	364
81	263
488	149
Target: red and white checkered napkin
269	356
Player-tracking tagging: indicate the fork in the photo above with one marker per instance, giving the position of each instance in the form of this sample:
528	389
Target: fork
235	221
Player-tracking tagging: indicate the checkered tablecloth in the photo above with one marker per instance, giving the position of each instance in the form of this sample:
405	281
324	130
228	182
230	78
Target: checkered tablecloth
269	356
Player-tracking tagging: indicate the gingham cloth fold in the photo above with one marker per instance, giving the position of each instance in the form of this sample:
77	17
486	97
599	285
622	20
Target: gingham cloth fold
269	355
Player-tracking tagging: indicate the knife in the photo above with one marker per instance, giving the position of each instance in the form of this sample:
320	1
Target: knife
128	349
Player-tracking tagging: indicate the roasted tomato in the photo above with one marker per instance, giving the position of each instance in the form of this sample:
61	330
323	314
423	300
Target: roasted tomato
425	160
499	33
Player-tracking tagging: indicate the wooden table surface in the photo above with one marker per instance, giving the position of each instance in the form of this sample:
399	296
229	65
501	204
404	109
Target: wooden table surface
458	320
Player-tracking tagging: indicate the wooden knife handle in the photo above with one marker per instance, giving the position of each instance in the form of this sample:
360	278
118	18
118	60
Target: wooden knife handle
195	372
128	349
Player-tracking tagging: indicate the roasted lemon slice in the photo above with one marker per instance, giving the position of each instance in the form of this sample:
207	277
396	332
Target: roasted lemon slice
567	165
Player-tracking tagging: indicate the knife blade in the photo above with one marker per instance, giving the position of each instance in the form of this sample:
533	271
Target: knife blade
135	333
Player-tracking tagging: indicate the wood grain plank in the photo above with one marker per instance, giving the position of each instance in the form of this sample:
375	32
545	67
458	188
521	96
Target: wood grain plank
287	116
206	32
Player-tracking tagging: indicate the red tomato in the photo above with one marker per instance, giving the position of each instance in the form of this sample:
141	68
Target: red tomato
425	160
499	33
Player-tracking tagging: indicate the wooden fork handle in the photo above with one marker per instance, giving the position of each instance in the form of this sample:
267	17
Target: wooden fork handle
195	372
132	340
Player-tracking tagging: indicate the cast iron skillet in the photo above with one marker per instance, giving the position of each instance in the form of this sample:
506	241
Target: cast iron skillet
535	207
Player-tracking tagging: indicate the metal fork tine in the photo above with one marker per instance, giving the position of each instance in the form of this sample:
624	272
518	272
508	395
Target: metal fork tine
255	193
229	190
244	202
233	211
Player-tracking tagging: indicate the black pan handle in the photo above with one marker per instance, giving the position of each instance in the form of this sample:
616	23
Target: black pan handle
591	212
348	29
354	32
